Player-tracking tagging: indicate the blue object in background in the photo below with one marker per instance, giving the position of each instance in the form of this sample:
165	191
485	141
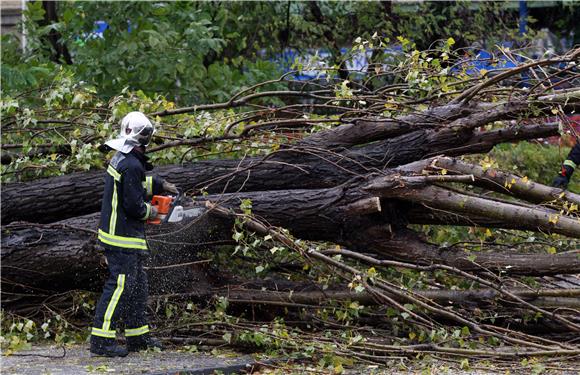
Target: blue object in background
319	60
100	27
484	61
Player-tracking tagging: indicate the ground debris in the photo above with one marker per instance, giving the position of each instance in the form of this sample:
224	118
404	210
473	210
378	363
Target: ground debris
79	361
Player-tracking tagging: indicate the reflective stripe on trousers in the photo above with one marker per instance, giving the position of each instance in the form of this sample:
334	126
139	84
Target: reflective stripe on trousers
105	330
130	332
124	296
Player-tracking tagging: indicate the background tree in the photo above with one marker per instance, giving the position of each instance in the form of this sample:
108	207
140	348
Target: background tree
206	51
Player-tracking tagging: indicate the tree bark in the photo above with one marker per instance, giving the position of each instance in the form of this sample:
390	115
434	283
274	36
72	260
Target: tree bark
42	259
541	219
474	297
493	179
59	50
35	255
406	246
299	167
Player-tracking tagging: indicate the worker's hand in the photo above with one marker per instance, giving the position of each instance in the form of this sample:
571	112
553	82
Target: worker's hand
153	213
169	187
560	182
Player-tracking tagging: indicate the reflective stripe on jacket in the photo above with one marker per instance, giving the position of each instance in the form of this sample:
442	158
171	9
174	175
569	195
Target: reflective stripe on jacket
124	210
573	159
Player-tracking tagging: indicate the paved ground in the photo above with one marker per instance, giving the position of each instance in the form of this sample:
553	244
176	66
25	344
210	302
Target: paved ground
78	361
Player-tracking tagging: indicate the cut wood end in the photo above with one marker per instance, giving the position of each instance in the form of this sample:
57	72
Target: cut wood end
364	206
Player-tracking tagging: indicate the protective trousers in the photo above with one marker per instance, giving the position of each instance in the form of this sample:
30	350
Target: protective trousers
124	296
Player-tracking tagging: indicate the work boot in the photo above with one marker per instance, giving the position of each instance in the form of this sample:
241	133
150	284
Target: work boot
106	347
143	342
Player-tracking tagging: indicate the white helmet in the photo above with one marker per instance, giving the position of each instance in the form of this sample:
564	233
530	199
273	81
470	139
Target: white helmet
136	130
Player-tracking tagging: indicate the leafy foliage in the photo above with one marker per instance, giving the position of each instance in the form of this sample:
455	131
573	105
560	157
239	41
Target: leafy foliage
20	333
163	54
539	162
195	52
59	129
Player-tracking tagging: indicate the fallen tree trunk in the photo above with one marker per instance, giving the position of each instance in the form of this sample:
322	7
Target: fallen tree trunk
407	247
348	215
300	167
43	259
443	199
382	289
496	180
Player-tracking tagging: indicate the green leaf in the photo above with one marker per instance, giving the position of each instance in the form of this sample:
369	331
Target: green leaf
153	41
465	331
237	236
68	15
160	9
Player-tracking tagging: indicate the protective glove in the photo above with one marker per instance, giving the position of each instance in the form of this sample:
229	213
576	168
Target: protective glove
563	178
560	182
153	213
169	187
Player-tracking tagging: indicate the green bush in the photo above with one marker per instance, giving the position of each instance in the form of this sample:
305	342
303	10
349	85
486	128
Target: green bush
540	163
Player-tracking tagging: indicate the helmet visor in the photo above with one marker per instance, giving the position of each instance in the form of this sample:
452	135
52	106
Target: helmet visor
144	135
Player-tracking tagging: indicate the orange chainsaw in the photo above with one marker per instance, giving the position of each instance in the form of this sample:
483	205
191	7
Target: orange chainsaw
168	210
165	205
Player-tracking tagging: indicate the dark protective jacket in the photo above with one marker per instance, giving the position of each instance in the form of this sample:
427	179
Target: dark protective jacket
572	161
124	210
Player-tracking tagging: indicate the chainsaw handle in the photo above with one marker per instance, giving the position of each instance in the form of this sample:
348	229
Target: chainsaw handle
174	203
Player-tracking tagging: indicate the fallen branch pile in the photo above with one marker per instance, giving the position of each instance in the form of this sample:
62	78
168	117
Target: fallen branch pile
334	218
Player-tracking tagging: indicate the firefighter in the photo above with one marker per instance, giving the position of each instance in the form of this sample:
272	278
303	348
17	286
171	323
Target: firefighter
571	162
122	234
